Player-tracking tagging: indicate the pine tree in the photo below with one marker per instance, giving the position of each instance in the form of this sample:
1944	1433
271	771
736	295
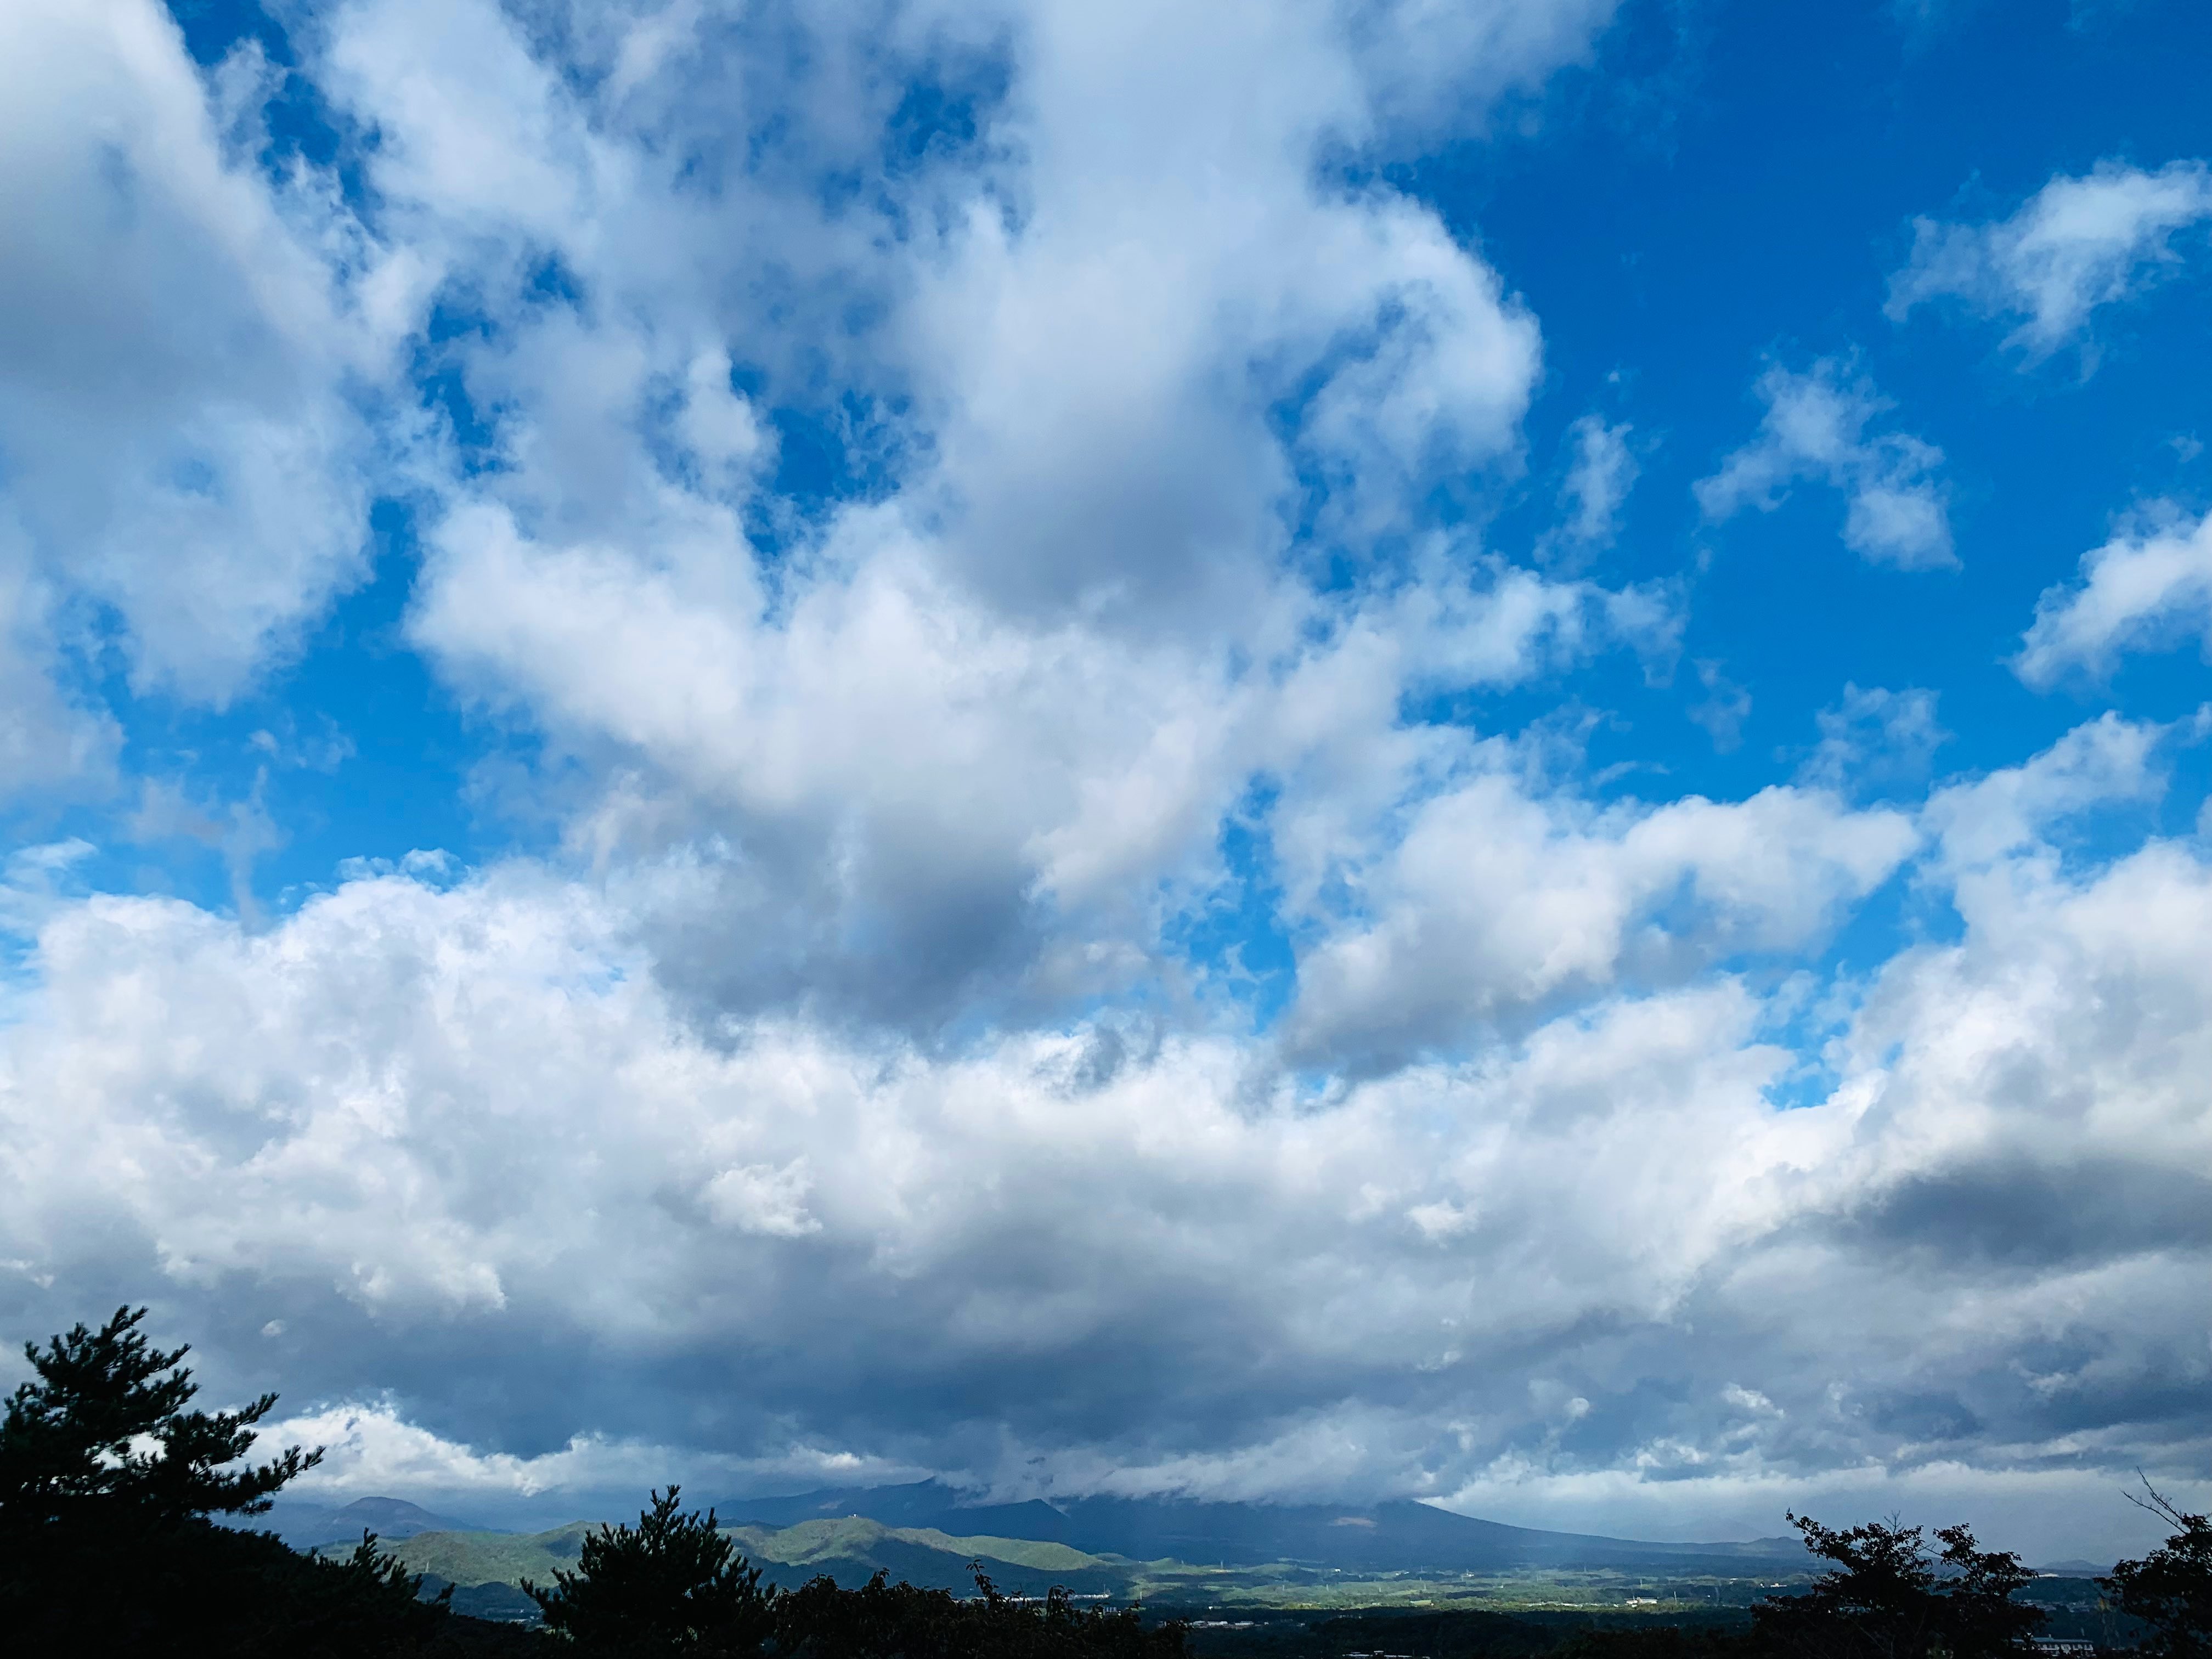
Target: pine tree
110	1488
102	1431
672	1585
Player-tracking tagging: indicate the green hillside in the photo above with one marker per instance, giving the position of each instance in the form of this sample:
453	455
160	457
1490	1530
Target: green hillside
492	1558
848	1550
853	1537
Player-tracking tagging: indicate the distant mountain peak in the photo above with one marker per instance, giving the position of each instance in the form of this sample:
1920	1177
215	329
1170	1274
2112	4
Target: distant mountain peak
303	1525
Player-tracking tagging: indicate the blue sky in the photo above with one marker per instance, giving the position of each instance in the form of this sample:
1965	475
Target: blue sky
1265	751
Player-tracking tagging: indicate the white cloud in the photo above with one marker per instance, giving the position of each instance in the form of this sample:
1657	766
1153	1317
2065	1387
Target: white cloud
410	1126
33	884
955	737
2147	589
2107	761
411	1121
372	1449
1492	904
1438	371
758	1199
1430	64
182	353
2076	244
774	1108
1603	471
1815	428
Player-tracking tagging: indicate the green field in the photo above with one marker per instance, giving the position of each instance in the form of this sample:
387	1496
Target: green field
1287	1585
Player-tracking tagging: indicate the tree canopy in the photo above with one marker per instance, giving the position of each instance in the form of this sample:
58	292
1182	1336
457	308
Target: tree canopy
110	1486
1890	1596
102	1431
2170	1589
672	1584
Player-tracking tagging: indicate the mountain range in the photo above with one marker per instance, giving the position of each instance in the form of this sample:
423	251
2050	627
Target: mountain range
303	1525
1167	1551
1164	1550
1399	1536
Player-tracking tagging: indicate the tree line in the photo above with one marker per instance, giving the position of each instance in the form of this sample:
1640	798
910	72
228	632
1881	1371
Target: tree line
119	1505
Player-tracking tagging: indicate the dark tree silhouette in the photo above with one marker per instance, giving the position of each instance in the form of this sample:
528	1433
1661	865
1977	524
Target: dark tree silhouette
2170	1589
883	1620
103	1429
1889	1596
109	1485
1660	1642
672	1584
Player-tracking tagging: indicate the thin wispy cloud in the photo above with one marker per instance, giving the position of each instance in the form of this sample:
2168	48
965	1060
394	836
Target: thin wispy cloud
2078	244
1815	430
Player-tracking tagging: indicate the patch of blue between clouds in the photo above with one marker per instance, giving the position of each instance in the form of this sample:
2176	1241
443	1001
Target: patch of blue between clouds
440	381
942	114
1671	260
1234	939
356	753
300	123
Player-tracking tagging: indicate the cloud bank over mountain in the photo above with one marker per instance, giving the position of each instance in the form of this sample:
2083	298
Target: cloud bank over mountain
1091	864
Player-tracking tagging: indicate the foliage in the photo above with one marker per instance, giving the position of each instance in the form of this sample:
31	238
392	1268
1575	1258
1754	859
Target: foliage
102	1462
883	1620
102	1431
1453	1633
2170	1589
355	1607
1890	1597
672	1584
1659	1642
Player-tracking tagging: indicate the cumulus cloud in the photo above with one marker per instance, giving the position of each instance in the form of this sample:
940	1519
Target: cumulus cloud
2147	589
2075	245
947	737
1427	63
414	1132
936	568
2106	761
1494	905
184	348
1815	430
371	1449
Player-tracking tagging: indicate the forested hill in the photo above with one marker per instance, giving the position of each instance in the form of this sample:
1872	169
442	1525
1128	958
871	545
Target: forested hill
306	1525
